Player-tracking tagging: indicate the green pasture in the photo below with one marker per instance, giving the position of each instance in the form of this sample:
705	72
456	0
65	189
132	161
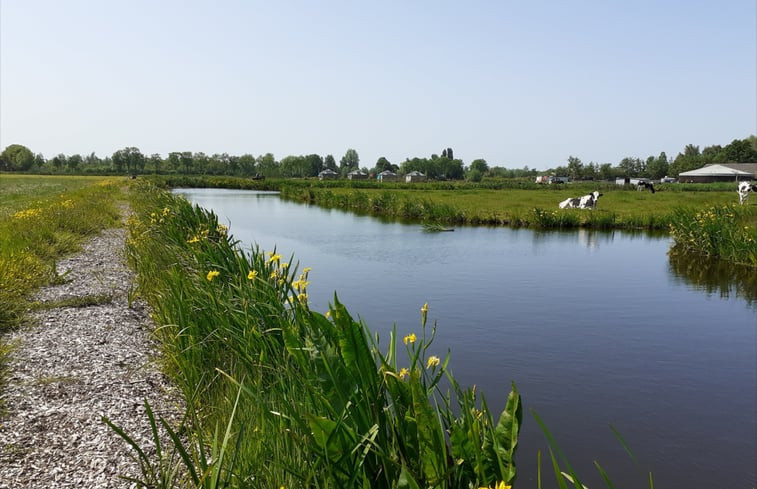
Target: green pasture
43	218
18	192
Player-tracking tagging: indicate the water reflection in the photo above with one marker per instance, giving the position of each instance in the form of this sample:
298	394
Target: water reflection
714	276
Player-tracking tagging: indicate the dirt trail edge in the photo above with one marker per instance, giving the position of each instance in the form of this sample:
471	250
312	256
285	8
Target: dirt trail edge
74	365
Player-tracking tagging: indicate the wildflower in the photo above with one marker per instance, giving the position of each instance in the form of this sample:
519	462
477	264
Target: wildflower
252	274
302	297
328	314
306	270
500	485
424	309
432	361
274	274
285	265
212	274
222	228
194	239
409	338
274	258
404	373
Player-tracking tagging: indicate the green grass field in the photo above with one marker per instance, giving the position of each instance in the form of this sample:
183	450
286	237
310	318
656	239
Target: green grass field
41	219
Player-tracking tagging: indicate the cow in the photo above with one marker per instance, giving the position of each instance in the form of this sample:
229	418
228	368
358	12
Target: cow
744	189
586	202
645	186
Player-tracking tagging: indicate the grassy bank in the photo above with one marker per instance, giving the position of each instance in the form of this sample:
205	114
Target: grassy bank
281	395
617	208
510	202
42	219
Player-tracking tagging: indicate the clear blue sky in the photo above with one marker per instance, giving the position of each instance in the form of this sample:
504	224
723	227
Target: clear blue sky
514	82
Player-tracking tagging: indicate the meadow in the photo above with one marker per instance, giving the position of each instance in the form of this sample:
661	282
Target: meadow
41	220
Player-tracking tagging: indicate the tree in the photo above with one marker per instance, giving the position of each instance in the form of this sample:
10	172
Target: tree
74	161
449	154
658	167
480	165
16	157
329	162
382	164
474	175
350	161
739	151
155	161
574	168
606	172
267	165
129	157
314	164
247	164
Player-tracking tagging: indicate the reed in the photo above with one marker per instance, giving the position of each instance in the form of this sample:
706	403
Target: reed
281	395
728	232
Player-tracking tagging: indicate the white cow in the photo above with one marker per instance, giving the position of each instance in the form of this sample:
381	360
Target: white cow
744	189
586	202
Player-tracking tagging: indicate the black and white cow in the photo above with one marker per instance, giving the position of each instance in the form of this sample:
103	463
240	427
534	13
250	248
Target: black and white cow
586	202
642	185
744	189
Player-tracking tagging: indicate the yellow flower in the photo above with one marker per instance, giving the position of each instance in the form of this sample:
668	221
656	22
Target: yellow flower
306	270
500	485
194	239
409	338
424	309
274	274
285	265
303	297
432	361
252	275
328	314
212	274
274	258
404	373
222	228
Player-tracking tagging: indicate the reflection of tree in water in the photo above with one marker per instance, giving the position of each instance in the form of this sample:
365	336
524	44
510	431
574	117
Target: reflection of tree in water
715	276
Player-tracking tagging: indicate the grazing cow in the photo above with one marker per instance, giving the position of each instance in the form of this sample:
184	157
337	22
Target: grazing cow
645	186
744	189
586	202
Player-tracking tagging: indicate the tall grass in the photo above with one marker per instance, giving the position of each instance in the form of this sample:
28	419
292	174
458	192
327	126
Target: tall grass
728	232
279	394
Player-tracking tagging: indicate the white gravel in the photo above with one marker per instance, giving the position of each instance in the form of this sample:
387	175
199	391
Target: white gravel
73	365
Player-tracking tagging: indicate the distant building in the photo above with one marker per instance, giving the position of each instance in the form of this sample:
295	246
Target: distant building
328	174
550	179
723	172
415	176
387	176
357	175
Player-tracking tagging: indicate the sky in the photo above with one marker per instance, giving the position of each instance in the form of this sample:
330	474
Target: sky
517	83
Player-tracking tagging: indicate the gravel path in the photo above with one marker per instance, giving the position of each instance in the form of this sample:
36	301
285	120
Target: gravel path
74	365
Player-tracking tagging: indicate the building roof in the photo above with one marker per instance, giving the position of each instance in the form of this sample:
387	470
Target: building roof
328	171
415	173
720	170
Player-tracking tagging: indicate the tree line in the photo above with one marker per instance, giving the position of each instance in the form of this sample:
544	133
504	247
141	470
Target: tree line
656	167
130	160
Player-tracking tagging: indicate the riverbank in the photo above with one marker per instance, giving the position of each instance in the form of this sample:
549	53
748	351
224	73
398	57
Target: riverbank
85	352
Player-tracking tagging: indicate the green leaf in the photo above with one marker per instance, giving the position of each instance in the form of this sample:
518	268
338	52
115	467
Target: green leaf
406	480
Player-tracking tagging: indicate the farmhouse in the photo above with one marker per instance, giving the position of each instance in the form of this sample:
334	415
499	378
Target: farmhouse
415	176
357	175
723	172
328	174
387	176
